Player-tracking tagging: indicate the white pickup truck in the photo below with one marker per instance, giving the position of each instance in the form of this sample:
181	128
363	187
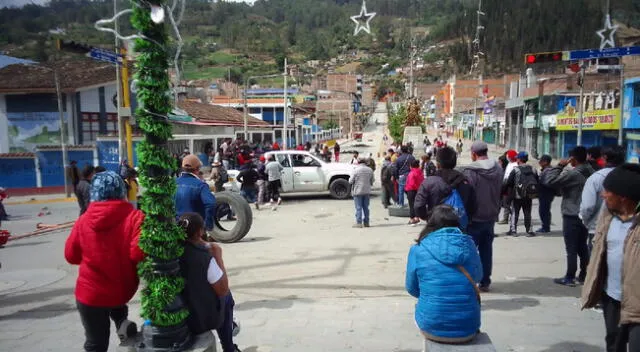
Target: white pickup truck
305	173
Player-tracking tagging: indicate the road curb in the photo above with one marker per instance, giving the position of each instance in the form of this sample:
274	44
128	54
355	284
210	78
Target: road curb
42	201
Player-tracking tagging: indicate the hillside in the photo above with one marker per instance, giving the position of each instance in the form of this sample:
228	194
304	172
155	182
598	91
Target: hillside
228	39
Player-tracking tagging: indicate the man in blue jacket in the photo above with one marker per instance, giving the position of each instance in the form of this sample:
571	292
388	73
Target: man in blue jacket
401	169
193	195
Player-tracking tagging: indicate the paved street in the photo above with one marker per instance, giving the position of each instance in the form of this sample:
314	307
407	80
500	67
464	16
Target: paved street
304	280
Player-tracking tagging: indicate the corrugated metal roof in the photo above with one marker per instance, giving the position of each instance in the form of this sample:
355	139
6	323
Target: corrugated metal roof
10	60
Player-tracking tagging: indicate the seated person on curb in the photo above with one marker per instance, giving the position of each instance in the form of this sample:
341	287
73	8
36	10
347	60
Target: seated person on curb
443	270
206	291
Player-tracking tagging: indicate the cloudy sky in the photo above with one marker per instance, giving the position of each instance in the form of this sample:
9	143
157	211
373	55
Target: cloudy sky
12	3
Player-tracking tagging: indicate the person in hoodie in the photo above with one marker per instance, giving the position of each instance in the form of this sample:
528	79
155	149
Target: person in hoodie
104	243
506	197
443	269
414	180
485	176
193	195
591	200
575	234
545	196
516	185
435	189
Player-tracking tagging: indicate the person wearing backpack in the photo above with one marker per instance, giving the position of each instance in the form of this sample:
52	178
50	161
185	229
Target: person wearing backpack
219	176
447	186
575	234
523	184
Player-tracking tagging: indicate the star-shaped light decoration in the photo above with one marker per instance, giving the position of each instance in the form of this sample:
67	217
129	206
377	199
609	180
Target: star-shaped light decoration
610	39
362	20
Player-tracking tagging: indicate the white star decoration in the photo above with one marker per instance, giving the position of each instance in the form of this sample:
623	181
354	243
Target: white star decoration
365	17
610	41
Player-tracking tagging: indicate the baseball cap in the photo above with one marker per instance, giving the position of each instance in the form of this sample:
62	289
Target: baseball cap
546	158
512	154
479	146
191	161
523	156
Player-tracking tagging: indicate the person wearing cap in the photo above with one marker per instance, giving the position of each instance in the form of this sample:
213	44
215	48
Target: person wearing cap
485	176
591	203
517	184
575	234
193	195
361	182
545	195
507	199
613	277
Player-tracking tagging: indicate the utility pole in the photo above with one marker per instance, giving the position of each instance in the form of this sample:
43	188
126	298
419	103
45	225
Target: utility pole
413	55
581	110
244	110
620	128
121	135
63	143
477	65
285	136
126	104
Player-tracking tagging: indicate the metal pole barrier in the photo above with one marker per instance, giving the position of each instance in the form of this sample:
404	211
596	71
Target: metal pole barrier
620	128
581	113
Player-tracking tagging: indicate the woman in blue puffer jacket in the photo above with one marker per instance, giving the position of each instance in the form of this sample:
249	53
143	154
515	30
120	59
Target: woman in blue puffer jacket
448	308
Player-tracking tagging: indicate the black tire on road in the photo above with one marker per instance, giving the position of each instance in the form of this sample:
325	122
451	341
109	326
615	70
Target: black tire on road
340	188
400	212
242	212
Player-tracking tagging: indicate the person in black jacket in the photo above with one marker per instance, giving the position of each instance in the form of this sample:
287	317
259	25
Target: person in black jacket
249	177
435	189
516	184
206	291
388	191
83	188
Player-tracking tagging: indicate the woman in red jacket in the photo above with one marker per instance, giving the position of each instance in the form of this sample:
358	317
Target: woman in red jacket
414	180
104	242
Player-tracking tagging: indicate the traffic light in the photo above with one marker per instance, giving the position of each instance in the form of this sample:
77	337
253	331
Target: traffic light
554	56
72	47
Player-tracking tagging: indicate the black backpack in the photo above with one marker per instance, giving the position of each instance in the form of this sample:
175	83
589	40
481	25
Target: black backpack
526	183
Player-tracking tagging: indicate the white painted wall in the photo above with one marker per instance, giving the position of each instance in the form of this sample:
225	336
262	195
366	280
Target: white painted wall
4	126
90	100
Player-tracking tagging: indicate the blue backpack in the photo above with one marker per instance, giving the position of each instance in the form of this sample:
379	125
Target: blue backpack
455	201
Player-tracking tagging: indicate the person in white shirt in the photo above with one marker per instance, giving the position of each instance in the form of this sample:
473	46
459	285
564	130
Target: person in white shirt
506	198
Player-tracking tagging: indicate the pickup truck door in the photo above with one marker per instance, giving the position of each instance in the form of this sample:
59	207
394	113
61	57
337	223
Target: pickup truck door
307	173
286	178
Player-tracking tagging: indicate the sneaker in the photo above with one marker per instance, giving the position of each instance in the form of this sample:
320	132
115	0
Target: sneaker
366	224
279	201
257	206
357	226
511	233
484	289
531	234
541	230
503	222
565	282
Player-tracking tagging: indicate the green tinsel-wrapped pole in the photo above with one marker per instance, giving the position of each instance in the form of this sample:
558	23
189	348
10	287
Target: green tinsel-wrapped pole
161	239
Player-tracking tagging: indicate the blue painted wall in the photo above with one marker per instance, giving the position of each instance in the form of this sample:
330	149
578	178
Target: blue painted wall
51	166
108	154
17	173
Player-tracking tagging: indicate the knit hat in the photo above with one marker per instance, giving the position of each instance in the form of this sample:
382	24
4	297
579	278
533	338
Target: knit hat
624	181
107	185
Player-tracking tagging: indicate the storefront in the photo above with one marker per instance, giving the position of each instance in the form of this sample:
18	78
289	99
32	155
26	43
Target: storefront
599	128
631	121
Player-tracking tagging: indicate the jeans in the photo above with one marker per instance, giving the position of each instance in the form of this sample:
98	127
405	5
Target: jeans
95	321
411	197
575	242
225	332
516	205
249	194
402	181
544	210
618	337
483	234
362	208
262	189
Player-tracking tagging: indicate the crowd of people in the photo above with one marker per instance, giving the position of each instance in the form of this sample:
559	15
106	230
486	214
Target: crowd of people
600	204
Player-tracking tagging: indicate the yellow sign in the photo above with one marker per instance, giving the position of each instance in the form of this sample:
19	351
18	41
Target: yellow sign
592	120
